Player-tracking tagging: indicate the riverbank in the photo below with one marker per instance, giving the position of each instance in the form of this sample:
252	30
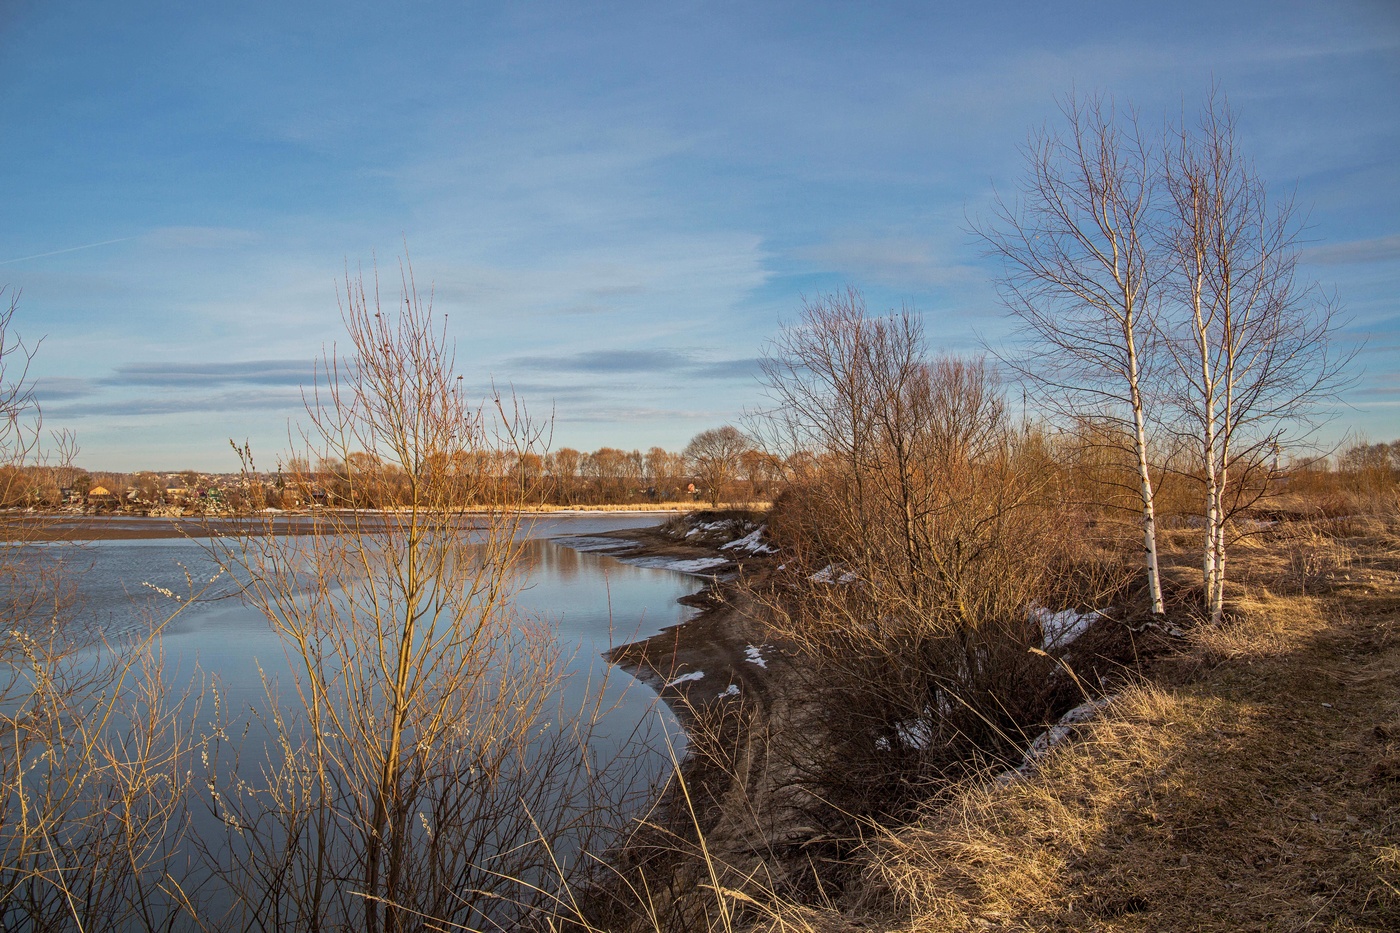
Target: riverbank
1240	777
720	655
74	526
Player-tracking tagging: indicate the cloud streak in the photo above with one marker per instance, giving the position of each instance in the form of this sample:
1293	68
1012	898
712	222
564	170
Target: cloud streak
71	249
184	375
630	362
215	406
1376	249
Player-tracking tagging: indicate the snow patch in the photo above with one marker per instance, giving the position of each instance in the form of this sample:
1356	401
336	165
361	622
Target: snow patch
731	691
1059	629
751	542
1061	730
754	655
915	733
833	574
697	565
706	527
686	678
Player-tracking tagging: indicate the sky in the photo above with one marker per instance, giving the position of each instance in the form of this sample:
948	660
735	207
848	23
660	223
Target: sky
617	205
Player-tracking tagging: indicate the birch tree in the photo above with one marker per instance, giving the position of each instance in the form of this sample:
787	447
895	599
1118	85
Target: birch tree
1252	346
1077	275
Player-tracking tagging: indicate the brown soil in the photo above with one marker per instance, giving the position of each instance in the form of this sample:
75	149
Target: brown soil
715	642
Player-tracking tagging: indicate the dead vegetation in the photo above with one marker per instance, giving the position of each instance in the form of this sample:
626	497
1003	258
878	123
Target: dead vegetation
1248	779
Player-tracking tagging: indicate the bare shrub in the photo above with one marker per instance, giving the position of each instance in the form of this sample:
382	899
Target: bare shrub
94	749
922	545
420	765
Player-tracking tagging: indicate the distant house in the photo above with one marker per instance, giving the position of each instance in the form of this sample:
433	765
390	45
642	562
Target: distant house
102	496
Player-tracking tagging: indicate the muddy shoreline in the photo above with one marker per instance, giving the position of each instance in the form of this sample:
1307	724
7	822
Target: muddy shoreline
717	656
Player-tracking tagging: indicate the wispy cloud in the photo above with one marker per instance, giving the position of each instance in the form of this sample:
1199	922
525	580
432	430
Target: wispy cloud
897	261
1376	249
624	362
182	375
58	388
747	368
608	361
216	406
639	415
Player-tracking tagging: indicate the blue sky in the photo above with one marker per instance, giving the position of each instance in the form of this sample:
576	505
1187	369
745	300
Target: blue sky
616	204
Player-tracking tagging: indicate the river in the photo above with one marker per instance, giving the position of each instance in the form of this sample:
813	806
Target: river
589	601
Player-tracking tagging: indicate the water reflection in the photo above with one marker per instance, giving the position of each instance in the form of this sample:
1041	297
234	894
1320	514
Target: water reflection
589	601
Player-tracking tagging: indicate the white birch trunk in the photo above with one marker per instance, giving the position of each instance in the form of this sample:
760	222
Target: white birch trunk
1149	516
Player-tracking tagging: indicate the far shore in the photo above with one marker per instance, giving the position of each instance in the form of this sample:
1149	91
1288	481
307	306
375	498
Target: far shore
74	526
117	526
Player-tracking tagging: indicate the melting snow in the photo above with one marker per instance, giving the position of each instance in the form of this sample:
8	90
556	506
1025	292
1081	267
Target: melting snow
754	655
1053	736
695	565
833	574
1061	729
731	691
913	733
751	542
686	678
916	733
1058	629
706	526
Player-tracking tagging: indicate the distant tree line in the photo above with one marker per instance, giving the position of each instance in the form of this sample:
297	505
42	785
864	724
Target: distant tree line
720	465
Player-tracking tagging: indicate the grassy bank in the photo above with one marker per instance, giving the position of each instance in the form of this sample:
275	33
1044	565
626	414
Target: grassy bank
1239	778
1246	778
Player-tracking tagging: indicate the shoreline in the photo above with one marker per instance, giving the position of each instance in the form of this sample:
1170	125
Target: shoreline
717	657
68	526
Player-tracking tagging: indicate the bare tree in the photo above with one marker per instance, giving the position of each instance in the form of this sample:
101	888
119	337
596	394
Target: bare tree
615	474
1253	347
423	760
663	470
714	457
918	539
1078	277
563	465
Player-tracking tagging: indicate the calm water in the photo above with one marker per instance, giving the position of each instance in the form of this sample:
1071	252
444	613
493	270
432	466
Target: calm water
589	601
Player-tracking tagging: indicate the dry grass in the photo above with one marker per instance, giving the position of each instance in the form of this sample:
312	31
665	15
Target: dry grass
1251	782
